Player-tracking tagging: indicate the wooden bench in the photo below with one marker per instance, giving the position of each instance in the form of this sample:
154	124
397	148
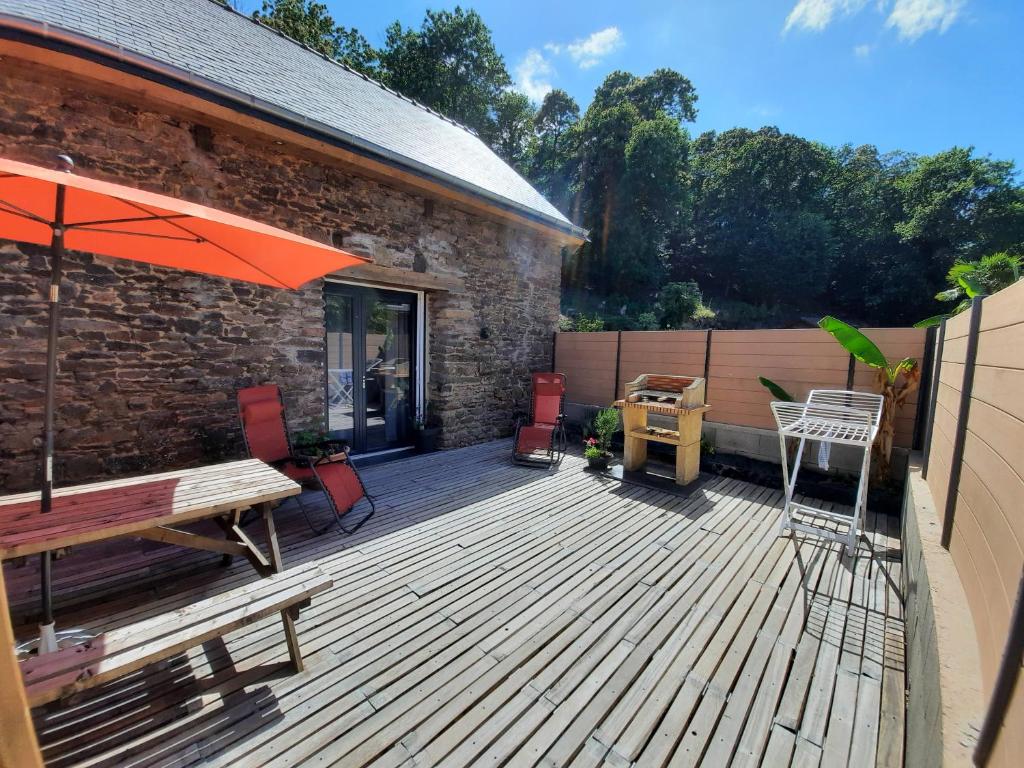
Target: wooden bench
130	648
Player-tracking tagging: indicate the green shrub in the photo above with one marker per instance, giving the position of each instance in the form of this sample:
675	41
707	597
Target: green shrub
586	324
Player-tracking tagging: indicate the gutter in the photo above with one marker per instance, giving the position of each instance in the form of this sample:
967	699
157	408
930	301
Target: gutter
45	35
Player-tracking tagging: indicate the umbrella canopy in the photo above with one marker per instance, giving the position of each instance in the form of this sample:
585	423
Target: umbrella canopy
62	210
113	220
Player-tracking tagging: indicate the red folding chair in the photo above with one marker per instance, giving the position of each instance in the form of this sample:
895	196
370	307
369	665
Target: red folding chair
265	431
541	440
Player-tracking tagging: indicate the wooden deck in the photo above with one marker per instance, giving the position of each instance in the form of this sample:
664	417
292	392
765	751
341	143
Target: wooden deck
492	614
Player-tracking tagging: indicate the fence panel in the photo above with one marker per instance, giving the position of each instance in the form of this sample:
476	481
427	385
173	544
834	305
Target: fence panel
947	407
588	362
798	360
987	534
676	353
895	344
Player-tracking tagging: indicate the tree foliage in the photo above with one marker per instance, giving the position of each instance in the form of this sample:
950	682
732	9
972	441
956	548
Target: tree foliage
772	227
309	23
450	64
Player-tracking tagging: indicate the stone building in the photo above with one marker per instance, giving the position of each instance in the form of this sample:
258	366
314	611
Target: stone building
191	99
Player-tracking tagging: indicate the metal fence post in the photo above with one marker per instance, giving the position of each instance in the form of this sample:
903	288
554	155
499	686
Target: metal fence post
926	365
618	363
707	363
956	463
928	417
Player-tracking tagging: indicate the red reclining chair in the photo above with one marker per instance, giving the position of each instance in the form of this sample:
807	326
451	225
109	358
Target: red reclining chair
265	430
541	440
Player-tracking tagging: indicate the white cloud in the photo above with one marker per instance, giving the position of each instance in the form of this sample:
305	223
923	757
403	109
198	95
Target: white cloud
862	51
818	14
588	51
912	18
533	75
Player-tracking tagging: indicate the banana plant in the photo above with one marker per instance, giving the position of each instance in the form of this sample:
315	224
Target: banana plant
894	381
968	287
975	278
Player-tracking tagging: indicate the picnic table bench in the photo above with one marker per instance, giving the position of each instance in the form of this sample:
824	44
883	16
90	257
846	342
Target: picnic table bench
152	507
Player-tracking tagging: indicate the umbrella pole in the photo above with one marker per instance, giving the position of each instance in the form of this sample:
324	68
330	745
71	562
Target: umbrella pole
47	633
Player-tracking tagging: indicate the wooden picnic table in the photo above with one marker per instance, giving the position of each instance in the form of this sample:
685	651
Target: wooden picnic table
152	507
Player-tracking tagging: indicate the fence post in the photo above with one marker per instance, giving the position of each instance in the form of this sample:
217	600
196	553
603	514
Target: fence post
707	363
554	351
956	463
618	364
851	368
926	416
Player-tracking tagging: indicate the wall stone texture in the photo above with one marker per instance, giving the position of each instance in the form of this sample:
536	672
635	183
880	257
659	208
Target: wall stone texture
150	358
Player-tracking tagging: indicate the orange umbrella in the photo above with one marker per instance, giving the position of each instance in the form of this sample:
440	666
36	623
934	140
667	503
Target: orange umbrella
62	210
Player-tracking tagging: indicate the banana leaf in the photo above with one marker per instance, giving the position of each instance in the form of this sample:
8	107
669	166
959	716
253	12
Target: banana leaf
778	392
854	342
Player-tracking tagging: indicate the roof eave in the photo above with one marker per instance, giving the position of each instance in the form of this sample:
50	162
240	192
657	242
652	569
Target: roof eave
39	32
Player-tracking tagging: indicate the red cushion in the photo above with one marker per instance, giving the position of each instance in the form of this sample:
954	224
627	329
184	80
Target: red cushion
341	484
548	389
297	473
535	438
263	423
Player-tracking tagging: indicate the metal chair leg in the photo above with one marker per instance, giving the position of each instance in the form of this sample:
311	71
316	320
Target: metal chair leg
309	522
357	526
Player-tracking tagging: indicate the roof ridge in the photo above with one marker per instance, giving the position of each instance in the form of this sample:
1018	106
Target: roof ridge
225	5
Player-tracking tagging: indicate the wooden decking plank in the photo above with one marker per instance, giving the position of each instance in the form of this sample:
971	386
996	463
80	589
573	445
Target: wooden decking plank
629	725
548	594
779	750
893	699
633	692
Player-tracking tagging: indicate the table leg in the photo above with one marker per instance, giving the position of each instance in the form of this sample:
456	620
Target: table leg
233	520
266	512
233	532
289	615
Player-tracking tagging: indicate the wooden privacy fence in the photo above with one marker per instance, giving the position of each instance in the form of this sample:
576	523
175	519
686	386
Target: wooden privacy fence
598	365
974	465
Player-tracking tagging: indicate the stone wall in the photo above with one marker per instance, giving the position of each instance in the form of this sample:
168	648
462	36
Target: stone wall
150	358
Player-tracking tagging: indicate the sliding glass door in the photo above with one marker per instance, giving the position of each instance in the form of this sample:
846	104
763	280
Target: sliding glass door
371	366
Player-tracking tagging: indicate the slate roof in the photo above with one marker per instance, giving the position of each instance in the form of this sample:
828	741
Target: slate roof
214	48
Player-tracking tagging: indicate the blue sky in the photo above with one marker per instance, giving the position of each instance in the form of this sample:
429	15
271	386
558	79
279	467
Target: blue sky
918	75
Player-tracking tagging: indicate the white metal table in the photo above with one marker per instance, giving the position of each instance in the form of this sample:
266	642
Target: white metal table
839	417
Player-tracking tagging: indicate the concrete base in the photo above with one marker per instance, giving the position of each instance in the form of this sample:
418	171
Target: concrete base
945	705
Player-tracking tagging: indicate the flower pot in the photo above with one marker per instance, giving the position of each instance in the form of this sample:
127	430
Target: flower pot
599	462
426	439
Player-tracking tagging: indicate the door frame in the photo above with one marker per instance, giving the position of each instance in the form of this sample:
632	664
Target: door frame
419	351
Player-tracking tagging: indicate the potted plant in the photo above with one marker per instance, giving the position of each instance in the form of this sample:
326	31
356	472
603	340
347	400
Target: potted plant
597	448
427	432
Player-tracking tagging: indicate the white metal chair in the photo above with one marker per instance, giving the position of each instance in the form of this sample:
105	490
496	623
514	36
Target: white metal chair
829	416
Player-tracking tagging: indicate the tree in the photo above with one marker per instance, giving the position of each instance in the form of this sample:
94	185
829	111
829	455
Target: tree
552	163
511	131
309	23
760	226
631	155
450	64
